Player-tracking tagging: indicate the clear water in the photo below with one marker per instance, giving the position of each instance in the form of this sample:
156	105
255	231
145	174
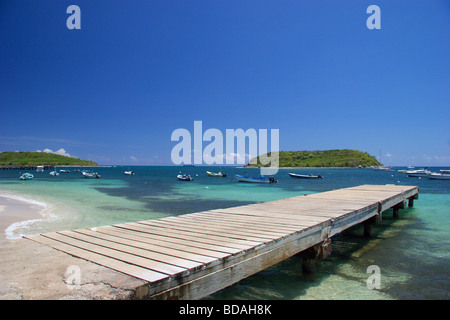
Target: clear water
412	252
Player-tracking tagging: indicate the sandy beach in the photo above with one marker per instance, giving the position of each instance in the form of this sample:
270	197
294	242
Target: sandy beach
16	211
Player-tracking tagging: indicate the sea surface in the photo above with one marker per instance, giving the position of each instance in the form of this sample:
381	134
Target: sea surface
412	252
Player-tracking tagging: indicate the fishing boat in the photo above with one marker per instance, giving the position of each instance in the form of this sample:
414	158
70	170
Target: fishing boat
130	173
183	177
439	176
261	179
26	176
305	176
214	174
418	173
92	175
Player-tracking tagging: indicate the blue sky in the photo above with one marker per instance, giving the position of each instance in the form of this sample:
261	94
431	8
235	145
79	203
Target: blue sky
116	89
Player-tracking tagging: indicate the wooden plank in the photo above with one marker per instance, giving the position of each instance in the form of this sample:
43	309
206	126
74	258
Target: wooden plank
214	226
244	224
164	242
187	237
170	238
133	270
148	247
119	255
151	255
236	241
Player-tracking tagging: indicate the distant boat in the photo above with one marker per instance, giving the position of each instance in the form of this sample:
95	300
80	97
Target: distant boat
40	169
439	176
418	173
213	174
92	175
261	179
382	168
304	176
26	176
183	177
64	171
54	173
130	173
76	170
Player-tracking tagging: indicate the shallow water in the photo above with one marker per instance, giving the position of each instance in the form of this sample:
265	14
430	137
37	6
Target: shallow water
412	252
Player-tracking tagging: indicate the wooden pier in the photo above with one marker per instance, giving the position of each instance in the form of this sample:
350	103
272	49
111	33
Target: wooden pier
27	167
194	255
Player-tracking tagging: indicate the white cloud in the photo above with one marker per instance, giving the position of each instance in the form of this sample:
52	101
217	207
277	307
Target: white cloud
133	158
61	152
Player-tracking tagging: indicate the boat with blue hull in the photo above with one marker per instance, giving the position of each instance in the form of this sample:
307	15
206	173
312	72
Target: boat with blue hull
261	179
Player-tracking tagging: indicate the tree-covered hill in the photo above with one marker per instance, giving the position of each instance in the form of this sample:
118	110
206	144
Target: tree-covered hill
41	158
326	158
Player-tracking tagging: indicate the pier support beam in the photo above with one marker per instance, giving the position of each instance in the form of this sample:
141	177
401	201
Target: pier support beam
316	252
368	226
397	208
411	200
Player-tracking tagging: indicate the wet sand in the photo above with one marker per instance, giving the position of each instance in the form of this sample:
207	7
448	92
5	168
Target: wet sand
13	211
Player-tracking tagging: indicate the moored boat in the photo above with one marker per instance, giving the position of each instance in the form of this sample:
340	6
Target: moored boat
92	175
439	176
26	176
184	177
214	174
54	173
418	173
261	179
64	171
130	173
305	176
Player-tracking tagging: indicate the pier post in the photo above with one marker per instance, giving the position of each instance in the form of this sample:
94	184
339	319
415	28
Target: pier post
397	208
368	226
317	252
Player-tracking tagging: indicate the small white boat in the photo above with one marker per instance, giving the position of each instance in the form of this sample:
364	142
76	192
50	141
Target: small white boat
261	179
130	173
64	171
40	169
92	175
214	174
382	168
418	173
26	176
305	176
183	177
439	176
54	173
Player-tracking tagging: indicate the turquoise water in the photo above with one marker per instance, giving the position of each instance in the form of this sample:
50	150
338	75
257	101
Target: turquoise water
412	252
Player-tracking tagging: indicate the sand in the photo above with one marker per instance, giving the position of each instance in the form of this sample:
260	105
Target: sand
14	211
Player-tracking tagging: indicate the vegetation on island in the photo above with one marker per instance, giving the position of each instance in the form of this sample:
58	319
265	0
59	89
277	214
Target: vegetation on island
341	158
41	158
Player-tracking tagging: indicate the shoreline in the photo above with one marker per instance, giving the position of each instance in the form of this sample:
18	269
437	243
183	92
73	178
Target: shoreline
17	213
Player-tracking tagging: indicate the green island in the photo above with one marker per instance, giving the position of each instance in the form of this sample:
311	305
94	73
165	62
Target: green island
340	158
41	158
